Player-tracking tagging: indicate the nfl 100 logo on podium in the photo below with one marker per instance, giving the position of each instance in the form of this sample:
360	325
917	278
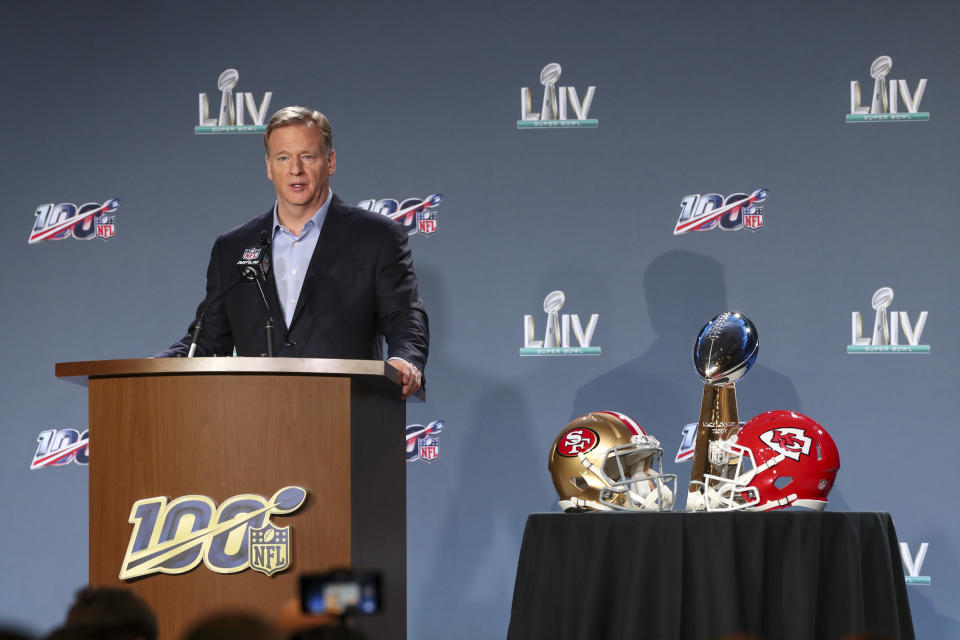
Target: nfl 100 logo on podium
556	105
417	215
556	339
883	102
710	211
174	537
67	220
885	337
233	109
422	442
59	447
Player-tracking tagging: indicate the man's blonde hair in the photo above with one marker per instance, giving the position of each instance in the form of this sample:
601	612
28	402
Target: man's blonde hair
290	116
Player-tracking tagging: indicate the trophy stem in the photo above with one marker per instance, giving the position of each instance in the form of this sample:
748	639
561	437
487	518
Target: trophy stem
718	420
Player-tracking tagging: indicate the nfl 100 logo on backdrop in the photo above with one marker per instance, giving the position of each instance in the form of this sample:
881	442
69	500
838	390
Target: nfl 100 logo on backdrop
174	537
884	100
422	442
710	211
234	107
557	104
556	338
59	447
885	337
67	220
417	215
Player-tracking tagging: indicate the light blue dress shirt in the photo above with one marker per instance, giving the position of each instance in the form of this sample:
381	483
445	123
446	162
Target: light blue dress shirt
291	256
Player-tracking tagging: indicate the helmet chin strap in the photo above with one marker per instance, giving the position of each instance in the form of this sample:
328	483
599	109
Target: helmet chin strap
653	500
647	503
658	497
723	499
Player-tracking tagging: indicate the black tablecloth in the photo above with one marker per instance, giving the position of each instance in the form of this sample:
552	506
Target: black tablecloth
785	575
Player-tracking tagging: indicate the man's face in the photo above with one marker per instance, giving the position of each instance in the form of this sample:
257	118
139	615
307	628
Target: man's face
299	166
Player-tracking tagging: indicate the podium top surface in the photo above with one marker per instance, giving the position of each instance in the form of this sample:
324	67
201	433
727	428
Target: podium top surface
80	372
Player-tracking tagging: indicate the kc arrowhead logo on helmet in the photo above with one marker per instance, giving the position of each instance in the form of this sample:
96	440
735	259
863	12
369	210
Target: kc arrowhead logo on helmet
788	441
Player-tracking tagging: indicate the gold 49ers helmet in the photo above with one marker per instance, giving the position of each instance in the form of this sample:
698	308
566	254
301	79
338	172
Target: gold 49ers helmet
605	461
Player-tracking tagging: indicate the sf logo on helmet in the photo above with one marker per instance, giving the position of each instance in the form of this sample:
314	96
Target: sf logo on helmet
577	441
789	441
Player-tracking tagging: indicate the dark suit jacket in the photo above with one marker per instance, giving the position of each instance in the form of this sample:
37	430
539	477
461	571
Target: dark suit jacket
359	288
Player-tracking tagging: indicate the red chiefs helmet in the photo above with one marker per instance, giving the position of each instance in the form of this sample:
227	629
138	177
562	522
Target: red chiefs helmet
778	459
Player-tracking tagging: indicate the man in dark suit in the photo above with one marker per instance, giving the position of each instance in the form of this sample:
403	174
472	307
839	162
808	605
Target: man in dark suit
342	278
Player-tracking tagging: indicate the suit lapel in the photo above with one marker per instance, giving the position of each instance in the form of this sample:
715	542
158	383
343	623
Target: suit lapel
336	226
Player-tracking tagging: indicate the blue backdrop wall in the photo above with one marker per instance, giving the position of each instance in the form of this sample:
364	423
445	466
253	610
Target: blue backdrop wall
100	101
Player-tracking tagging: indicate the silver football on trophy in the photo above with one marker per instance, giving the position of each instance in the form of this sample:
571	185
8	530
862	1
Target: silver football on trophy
725	349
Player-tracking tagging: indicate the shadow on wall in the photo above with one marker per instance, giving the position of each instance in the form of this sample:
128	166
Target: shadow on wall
660	389
481	512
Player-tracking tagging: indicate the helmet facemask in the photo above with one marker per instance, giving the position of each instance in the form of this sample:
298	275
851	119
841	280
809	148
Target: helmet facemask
630	481
726	487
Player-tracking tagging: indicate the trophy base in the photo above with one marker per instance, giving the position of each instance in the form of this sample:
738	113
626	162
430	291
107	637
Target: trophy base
718	421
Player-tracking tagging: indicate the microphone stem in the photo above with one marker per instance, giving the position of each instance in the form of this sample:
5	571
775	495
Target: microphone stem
196	328
269	323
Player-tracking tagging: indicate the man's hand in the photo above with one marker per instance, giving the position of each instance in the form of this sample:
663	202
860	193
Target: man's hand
410	376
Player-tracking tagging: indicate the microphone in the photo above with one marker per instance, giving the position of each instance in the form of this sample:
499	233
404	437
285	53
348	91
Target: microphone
253	266
199	324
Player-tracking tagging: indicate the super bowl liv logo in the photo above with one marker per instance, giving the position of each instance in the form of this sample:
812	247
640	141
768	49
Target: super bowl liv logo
417	215
556	339
174	537
736	211
553	112
67	220
913	564
886	329
231	116
884	105
58	447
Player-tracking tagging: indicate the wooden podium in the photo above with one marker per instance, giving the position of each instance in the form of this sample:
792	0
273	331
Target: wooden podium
223	427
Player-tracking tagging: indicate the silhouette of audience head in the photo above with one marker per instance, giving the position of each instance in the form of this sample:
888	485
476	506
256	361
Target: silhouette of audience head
12	633
234	626
107	614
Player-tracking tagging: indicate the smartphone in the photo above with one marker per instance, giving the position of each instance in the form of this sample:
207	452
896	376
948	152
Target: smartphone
341	592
